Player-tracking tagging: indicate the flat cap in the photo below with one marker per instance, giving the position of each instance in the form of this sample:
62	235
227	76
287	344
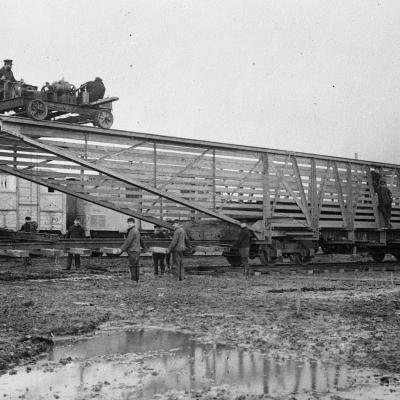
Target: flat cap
8	61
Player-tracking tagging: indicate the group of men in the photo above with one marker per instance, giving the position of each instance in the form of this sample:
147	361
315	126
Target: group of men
133	245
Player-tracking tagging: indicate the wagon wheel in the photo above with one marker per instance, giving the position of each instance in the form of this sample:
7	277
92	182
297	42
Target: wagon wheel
377	256
265	257
37	109
235	261
103	118
299	259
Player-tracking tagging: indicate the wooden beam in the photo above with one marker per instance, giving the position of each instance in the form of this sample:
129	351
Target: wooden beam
301	189
312	194
340	194
118	153
53	129
238	186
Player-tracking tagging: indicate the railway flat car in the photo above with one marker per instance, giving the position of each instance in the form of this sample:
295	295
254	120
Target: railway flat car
294	202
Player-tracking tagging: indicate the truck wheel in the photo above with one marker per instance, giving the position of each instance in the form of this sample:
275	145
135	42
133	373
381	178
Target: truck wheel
37	109
103	119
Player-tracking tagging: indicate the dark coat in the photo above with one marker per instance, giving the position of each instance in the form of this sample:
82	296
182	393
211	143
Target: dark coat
180	240
7	75
243	240
29	226
384	196
133	241
75	232
96	90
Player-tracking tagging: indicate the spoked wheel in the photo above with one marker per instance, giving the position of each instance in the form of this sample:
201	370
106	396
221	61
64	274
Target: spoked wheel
37	109
378	256
299	259
103	119
265	257
296	259
396	254
235	261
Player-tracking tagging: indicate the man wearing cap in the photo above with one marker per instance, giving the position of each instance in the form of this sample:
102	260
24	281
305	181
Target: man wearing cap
75	231
6	76
6	73
243	245
132	245
29	226
179	243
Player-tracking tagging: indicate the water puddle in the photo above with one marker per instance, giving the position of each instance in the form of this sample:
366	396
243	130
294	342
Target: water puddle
141	364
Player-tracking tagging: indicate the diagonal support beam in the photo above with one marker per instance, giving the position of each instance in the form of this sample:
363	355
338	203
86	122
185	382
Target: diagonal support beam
64	189
300	186
239	185
16	132
118	153
343	205
181	171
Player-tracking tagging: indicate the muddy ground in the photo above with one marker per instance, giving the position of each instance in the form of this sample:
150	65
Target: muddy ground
349	317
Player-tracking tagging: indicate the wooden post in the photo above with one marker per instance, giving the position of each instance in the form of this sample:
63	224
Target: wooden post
312	194
298	299
17	194
267	214
214	179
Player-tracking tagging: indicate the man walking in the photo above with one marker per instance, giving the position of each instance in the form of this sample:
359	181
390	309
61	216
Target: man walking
243	245
132	245
75	231
179	243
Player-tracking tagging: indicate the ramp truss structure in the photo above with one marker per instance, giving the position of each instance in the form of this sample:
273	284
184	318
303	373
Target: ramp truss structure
158	178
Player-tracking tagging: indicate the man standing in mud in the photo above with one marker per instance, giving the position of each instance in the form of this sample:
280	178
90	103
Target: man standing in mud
179	243
243	246
132	245
75	231
30	227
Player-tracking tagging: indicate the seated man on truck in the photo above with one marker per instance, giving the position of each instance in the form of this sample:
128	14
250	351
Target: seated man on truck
96	89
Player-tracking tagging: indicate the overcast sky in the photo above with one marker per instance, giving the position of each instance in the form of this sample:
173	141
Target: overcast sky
317	76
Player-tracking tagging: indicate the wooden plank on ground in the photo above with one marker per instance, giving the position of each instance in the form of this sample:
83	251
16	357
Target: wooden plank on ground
17	253
80	251
52	252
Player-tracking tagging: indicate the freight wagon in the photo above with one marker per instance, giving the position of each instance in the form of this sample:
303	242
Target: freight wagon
20	198
54	211
294	202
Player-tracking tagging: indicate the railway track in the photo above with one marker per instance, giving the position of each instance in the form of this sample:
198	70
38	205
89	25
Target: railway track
317	267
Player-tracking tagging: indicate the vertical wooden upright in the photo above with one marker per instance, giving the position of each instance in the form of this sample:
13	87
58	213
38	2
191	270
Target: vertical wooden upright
267	214
313	195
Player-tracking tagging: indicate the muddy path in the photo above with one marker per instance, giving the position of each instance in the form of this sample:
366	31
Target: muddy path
350	317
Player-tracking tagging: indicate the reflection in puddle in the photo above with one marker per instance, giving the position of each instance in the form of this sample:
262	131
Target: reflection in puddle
156	361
